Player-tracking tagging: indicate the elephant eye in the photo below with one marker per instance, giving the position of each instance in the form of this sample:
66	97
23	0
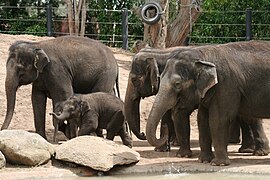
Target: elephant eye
73	108
177	85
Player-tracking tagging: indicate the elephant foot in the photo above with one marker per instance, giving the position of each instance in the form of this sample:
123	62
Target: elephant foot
163	148
246	149
206	157
220	162
175	142
261	152
184	152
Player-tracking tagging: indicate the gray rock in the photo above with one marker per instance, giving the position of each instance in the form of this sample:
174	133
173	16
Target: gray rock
2	160
95	152
22	147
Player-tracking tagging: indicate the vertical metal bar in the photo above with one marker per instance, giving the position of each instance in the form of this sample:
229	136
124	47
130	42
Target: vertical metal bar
49	19
125	28
248	24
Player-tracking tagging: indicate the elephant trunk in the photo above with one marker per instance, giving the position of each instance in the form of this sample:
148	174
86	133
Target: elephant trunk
60	117
11	86
132	111
160	106
63	116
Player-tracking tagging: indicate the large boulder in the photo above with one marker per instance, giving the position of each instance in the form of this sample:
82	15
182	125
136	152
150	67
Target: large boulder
95	152
2	160
22	147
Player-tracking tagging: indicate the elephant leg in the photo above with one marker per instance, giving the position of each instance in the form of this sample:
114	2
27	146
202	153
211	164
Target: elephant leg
182	128
234	132
221	112
99	132
166	121
73	127
260	139
89	125
248	145
115	124
39	106
205	140
126	138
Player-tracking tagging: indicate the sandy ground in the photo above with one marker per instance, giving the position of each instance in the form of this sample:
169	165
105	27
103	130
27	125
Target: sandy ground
150	161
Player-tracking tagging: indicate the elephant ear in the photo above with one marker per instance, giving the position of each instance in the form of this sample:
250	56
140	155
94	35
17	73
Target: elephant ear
206	76
154	74
41	60
84	107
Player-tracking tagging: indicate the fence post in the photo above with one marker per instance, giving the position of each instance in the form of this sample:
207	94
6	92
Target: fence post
248	24
49	19
125	28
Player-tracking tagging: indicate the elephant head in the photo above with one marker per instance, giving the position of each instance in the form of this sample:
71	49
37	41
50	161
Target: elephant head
23	66
67	115
143	81
185	78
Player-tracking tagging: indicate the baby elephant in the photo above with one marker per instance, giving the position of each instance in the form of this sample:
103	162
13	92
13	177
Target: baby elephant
90	113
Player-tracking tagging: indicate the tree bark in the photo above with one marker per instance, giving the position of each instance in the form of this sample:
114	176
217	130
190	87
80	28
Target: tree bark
179	30
70	17
83	19
155	35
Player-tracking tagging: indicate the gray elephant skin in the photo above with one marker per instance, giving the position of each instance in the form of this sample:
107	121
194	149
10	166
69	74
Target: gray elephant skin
143	81
57	68
227	81
92	113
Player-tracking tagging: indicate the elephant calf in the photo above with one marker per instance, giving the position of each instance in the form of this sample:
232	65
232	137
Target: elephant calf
90	113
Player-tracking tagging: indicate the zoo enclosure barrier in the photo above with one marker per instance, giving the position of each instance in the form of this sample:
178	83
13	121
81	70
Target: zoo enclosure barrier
121	28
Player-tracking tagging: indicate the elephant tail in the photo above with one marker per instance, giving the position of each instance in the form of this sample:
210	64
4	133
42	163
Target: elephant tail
117	86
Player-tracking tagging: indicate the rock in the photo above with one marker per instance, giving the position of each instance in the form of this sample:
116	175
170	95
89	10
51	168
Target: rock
95	152
2	160
22	147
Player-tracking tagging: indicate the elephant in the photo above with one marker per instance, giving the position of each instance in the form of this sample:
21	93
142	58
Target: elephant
145	68
57	68
143	81
92	113
228	81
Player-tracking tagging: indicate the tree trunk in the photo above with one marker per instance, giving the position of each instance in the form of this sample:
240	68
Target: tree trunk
83	19
77	10
155	35
181	26
70	17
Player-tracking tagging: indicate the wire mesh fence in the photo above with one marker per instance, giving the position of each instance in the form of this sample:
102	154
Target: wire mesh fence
227	26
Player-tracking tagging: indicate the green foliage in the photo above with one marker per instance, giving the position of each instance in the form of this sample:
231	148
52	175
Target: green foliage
224	21
221	21
24	16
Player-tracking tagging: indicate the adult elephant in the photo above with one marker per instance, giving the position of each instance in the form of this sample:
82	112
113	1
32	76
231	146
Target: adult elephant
57	68
227	82
143	81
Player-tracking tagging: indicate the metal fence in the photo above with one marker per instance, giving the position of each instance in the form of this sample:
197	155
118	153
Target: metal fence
251	24
122	32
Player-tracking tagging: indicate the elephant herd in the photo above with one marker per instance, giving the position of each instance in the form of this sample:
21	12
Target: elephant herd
226	83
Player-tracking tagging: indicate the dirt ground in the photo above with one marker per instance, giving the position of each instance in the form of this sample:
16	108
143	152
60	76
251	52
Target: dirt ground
150	161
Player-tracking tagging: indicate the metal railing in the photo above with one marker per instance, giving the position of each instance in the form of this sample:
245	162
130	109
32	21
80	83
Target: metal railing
121	32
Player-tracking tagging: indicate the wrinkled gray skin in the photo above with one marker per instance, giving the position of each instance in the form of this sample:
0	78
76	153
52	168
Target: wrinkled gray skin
57	68
143	81
92	113
227	80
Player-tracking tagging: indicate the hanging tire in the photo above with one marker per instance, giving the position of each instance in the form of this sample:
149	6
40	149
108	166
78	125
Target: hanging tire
151	6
